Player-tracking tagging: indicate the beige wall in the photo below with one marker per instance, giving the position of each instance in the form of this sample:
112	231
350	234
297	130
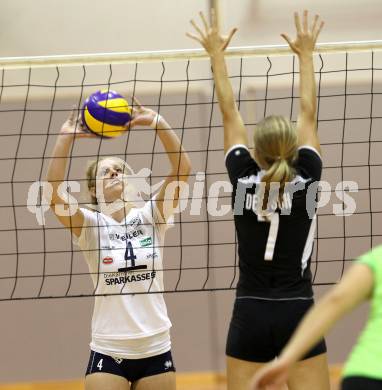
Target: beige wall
45	27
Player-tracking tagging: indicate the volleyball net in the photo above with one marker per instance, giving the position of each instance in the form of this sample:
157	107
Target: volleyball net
38	259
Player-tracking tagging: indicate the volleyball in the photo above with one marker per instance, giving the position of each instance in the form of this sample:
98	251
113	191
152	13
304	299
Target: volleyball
106	113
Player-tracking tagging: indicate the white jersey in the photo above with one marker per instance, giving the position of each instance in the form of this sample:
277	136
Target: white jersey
126	257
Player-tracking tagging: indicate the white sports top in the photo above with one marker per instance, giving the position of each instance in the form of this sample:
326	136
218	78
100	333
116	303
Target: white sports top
126	257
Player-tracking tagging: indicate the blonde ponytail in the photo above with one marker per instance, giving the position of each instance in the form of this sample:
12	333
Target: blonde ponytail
276	147
279	172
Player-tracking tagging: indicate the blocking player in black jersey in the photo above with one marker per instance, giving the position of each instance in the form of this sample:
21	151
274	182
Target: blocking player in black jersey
274	211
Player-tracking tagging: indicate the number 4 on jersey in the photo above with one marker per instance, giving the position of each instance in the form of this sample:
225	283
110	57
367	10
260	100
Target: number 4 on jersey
129	254
99	365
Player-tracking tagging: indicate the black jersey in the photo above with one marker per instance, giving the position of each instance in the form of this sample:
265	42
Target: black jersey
274	250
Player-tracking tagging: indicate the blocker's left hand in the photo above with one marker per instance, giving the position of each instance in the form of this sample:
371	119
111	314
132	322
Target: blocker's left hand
211	38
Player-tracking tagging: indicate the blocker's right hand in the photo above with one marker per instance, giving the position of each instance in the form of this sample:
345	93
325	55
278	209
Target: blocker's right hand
306	38
211	39
74	126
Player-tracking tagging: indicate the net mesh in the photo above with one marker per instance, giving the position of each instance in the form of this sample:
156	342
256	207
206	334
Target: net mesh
39	260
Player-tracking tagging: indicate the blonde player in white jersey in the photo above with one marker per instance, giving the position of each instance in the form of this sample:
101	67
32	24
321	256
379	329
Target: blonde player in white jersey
122	245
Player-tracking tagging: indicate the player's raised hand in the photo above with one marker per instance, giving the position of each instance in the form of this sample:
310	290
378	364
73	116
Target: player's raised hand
74	126
306	36
209	36
142	116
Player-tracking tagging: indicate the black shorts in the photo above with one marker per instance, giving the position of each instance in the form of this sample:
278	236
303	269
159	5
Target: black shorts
361	383
131	369
260	329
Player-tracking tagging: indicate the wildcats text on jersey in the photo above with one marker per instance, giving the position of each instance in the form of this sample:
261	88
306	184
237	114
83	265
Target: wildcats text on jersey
247	198
126	236
254	203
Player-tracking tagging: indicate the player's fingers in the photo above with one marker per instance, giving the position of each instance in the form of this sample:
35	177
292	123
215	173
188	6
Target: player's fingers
204	20
214	21
137	102
305	21
228	39
72	114
127	125
196	27
131	124
288	40
79	124
231	34
297	22
195	38
314	25
85	133
318	31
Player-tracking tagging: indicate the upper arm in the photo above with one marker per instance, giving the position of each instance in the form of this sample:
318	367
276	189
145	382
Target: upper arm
153	214
235	132
65	206
307	131
168	196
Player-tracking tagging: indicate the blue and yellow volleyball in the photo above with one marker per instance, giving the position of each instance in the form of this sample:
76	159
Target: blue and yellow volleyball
106	113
